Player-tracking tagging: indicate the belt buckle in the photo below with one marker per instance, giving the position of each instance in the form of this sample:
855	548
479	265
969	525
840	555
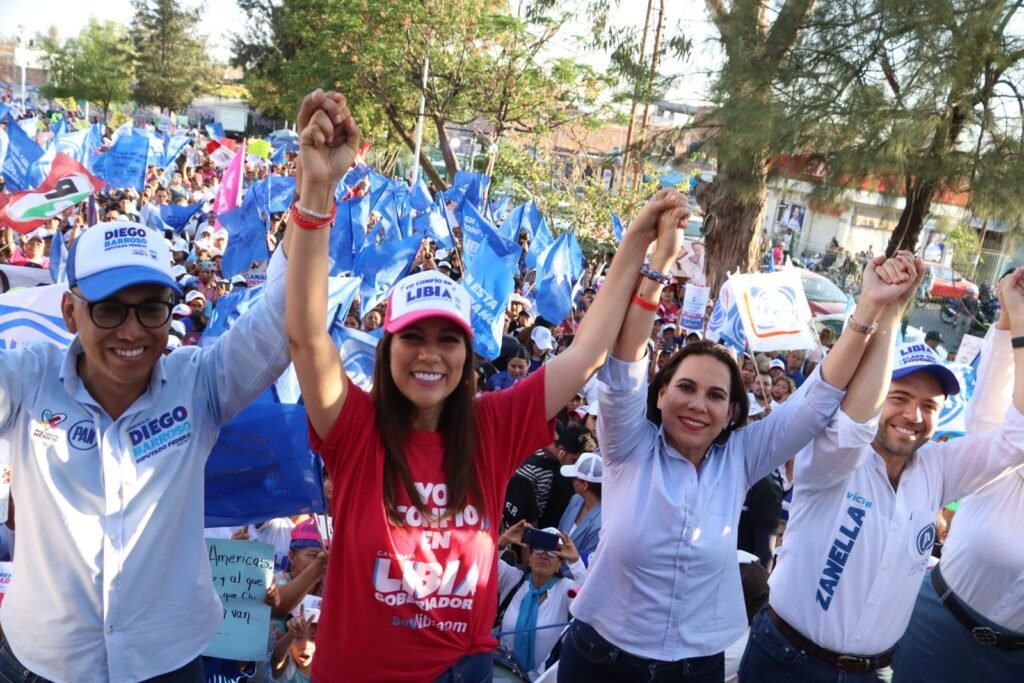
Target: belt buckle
983	635
849	664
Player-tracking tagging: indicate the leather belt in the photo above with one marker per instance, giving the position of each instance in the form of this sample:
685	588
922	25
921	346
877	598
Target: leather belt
847	664
983	635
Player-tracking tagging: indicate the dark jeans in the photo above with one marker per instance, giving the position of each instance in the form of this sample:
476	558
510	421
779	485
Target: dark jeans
771	658
13	671
477	668
587	656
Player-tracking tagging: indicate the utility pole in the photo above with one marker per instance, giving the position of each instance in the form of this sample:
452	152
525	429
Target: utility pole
419	124
638	174
632	109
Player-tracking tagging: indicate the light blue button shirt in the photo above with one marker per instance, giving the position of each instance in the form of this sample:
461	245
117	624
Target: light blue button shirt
111	580
664	583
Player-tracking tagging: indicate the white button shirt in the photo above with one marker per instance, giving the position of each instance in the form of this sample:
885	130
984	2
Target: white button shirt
664	583
855	553
983	558
111	580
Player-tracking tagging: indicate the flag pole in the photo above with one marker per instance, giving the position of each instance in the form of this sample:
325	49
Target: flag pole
419	124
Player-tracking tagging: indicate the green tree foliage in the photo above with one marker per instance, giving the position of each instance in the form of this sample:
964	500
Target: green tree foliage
485	72
920	96
98	65
173	67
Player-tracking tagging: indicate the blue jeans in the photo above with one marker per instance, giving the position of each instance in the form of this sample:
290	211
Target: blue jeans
937	647
13	671
477	668
587	656
770	657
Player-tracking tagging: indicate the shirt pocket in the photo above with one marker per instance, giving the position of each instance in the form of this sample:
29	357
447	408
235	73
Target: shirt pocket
921	533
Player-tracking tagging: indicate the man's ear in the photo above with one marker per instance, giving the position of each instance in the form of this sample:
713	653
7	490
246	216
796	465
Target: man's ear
67	311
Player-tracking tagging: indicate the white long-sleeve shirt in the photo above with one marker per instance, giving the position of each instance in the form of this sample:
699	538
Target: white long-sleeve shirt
664	583
856	551
111	580
983	558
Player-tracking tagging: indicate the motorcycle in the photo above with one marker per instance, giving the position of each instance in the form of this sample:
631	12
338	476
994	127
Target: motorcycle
949	310
988	304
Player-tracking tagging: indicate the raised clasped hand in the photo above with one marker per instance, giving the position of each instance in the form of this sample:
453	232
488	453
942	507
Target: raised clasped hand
892	280
1011	298
329	138
646	222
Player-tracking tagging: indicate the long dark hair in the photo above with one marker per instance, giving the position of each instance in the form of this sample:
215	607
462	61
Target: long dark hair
458	432
738	400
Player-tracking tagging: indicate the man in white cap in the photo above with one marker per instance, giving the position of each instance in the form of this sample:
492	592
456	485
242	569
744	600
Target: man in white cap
862	522
109	440
582	517
542	343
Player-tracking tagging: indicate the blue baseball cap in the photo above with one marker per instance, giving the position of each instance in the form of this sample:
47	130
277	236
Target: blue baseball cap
918	357
109	257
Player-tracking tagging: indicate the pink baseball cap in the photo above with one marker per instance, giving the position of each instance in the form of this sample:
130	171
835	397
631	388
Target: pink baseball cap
427	294
305	535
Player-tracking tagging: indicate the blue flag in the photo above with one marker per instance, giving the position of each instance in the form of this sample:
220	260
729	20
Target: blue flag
420	198
173	148
542	237
278	157
499	208
124	164
261	467
178	216
22	153
358	353
349	233
248	241
433	223
60	127
227	310
381	266
524	217
80	145
276	192
215	131
726	325
617	228
555	278
58	259
489	281
477	230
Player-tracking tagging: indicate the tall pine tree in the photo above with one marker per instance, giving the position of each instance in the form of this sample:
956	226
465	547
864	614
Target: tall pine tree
173	67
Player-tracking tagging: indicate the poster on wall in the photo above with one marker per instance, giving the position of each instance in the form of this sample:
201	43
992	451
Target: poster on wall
790	216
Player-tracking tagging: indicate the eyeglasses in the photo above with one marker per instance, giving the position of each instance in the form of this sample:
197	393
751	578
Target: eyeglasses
545	553
109	313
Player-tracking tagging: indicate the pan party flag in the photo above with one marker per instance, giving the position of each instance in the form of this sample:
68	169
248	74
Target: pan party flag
67	184
774	311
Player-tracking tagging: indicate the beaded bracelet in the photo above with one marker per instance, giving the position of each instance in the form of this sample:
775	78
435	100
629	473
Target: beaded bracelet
655	275
307	224
314	214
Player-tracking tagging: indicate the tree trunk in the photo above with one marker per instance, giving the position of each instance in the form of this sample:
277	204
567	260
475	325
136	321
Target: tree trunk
908	228
451	163
410	142
735	212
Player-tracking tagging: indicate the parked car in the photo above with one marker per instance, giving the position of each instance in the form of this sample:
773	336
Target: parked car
823	296
944	282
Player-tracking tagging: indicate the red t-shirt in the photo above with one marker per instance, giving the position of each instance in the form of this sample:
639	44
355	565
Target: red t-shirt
404	603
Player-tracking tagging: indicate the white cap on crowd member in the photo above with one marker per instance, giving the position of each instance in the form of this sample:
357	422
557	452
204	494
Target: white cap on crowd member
38	234
444	264
179	245
667	326
173	342
193	295
182	309
113	256
519	298
178	272
238	280
441	254
918	357
427	294
541	336
776	363
178	328
587	468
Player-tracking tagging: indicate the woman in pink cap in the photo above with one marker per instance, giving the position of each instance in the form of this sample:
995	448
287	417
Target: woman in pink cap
420	465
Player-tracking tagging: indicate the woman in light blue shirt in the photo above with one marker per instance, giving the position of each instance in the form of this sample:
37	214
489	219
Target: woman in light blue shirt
663	597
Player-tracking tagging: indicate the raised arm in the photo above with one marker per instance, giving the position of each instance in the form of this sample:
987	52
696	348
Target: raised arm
568	371
327	148
1011	291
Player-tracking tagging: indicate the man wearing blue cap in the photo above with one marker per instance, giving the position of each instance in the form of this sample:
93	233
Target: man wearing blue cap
109	440
862	523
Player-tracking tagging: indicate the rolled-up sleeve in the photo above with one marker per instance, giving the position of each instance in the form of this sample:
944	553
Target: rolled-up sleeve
246	359
772	441
993	389
622	425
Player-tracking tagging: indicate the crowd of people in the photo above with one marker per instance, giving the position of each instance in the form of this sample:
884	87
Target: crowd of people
611	498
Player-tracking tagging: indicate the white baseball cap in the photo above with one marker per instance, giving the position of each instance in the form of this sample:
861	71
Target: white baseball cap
172	343
113	256
182	309
541	336
916	357
777	364
427	294
178	327
587	468
193	295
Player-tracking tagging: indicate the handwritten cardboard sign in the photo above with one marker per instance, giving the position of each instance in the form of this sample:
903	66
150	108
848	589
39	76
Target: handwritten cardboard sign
242	570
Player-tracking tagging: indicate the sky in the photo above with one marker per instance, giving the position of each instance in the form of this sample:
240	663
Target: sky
222	17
